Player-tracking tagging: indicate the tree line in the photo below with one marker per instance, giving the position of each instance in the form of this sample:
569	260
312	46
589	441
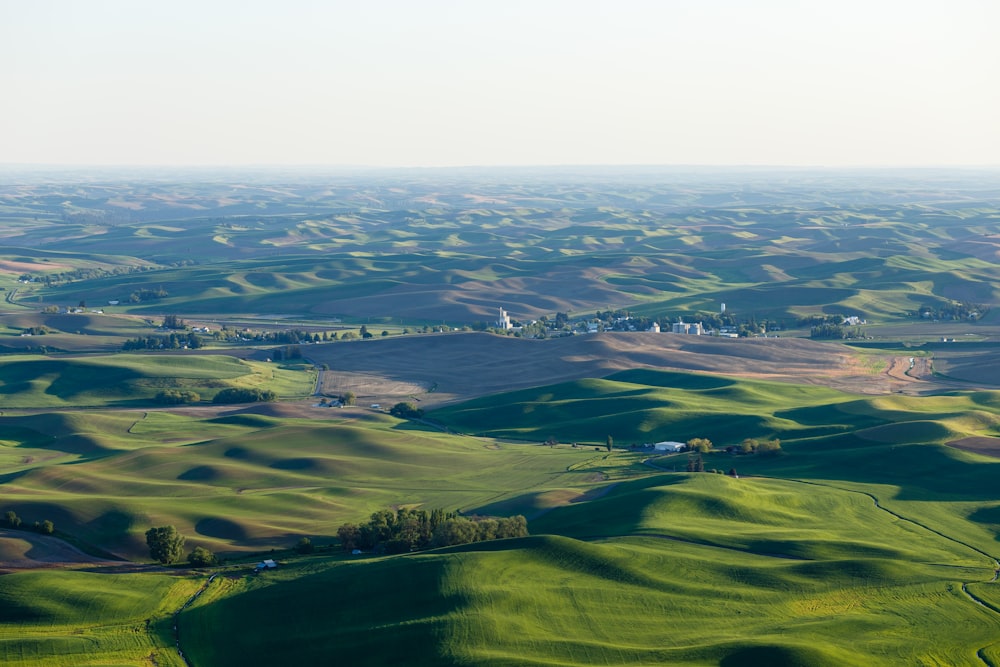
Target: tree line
170	341
407	530
12	520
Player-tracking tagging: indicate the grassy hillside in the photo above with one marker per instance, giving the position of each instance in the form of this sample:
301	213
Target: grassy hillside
857	555
685	582
645	406
243	481
134	379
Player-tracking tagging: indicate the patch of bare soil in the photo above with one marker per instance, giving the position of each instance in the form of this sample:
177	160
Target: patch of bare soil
23	550
454	367
984	445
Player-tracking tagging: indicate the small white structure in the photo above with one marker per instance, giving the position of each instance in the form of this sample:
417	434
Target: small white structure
669	446
655	328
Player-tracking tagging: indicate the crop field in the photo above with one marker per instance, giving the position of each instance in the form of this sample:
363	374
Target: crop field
68	618
864	533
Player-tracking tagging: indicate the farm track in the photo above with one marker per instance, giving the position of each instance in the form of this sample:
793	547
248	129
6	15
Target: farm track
964	588
177	631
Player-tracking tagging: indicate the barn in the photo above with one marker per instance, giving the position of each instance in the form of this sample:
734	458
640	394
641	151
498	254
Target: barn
669	446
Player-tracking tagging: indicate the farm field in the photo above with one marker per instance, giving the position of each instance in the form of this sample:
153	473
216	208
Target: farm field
865	532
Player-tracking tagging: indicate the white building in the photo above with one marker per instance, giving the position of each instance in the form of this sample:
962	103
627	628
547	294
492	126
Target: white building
682	327
669	446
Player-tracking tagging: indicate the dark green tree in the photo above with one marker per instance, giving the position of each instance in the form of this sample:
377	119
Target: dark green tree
202	557
305	546
406	410
165	544
609	443
12	519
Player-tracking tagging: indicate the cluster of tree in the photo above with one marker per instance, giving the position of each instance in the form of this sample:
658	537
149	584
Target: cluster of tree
173	322
835	332
166	546
818	320
700	445
176	397
695	462
956	310
406	410
141	295
285	337
76	275
12	520
756	446
40	330
169	342
286	353
244	395
413	530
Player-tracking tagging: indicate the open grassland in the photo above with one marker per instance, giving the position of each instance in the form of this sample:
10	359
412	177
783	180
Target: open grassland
658	573
65	618
135	379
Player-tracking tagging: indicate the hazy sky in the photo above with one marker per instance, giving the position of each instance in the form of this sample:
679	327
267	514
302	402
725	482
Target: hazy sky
506	82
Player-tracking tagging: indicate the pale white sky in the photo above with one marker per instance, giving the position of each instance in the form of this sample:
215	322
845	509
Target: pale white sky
505	82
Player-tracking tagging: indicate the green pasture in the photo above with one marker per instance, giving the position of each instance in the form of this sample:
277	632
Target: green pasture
242	482
134	379
52	618
674	580
646	406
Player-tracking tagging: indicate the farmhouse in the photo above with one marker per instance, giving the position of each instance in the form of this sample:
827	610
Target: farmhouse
669	446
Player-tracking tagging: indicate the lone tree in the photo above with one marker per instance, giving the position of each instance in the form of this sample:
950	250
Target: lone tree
305	546
165	544
406	410
202	557
610	443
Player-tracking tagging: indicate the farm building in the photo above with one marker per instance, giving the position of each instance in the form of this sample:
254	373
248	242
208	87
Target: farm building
668	446
266	564
682	327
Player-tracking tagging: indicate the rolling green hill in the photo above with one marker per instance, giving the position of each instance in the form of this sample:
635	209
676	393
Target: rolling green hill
780	578
134	379
870	538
